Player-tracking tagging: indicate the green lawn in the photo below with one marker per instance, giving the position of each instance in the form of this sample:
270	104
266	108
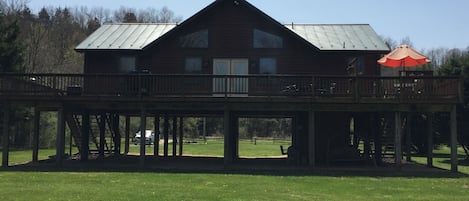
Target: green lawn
442	159
170	186
247	148
24	185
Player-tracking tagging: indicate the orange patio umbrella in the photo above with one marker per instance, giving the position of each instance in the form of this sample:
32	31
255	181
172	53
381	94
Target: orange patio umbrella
403	56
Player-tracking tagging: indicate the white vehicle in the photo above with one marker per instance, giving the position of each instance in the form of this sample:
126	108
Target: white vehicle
149	137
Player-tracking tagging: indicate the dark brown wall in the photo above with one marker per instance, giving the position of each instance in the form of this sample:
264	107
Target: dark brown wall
231	36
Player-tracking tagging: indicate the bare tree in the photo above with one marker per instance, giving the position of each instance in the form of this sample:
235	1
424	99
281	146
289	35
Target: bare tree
390	42
167	16
101	14
12	7
149	15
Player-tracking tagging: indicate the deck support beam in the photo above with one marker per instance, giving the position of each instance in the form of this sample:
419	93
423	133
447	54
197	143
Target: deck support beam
181	134
397	139
430	139
454	140
143	126
127	135
117	134
36	128
6	135
376	132
175	122
166	135
102	134
312	139
60	149
85	145
156	140
228	142
408	138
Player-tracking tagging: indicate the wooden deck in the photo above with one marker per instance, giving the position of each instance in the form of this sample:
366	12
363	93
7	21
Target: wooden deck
249	88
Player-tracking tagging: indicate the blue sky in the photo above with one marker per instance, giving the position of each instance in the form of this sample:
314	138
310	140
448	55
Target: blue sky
428	23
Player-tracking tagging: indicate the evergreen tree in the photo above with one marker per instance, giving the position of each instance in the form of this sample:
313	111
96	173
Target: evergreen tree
11	59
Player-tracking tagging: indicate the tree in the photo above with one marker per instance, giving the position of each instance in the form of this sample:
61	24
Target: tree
457	64
10	46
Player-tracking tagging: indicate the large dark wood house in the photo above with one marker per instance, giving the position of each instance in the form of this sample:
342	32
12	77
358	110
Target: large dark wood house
232	60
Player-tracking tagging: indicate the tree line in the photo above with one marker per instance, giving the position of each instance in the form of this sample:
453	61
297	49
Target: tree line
47	38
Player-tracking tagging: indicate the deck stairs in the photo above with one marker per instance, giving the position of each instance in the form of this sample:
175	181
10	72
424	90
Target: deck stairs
75	125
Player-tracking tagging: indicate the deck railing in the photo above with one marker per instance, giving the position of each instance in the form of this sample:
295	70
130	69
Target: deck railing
355	89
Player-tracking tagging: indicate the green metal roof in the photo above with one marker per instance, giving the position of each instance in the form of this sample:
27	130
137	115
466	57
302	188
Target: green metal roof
333	37
352	37
124	36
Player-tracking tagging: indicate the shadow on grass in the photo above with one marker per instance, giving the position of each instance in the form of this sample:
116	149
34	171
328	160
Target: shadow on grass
214	165
461	162
463	159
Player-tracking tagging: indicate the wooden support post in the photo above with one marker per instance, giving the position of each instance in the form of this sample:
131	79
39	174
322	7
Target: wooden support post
367	133
143	127
117	137
127	135
397	139
181	134
454	140
228	154
235	136
166	135
312	139
375	129
408	139
156	129
36	128
6	135
102	134
60	147
175	122
85	131
430	139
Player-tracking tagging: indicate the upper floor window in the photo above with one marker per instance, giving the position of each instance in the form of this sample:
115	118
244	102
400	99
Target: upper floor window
193	65
264	39
267	65
127	64
198	39
355	66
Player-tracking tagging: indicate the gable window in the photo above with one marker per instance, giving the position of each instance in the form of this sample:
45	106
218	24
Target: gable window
198	39
193	65
264	39
267	65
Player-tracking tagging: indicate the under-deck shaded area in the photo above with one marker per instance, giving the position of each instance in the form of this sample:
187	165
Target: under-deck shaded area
334	120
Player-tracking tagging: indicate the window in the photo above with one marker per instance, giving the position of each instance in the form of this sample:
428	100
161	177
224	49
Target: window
267	65
127	64
193	65
198	39
264	39
355	66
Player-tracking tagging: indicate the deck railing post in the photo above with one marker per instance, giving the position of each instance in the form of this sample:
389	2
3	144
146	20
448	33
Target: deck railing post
226	85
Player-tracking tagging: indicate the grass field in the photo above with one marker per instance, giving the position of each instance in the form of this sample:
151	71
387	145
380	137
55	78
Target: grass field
25	185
